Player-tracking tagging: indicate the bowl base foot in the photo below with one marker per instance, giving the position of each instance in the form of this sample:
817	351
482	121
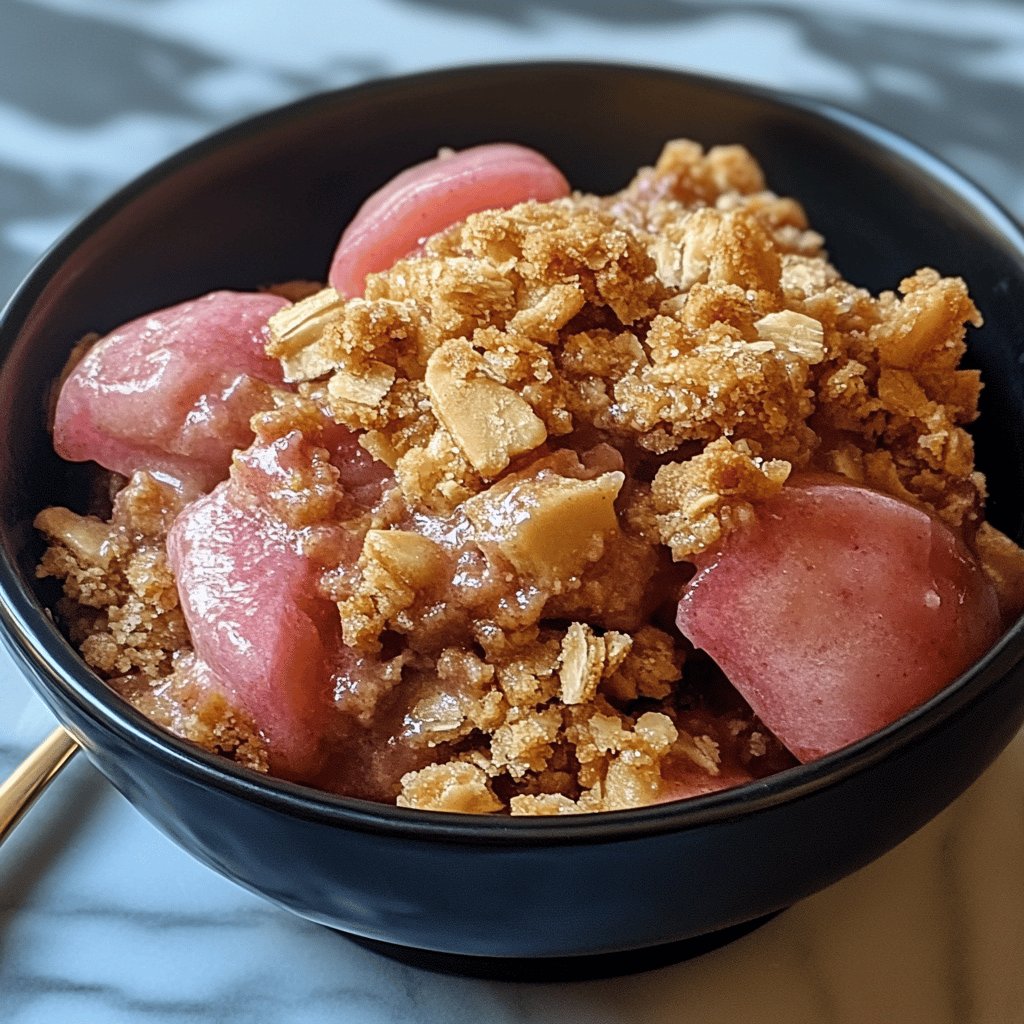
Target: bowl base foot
562	968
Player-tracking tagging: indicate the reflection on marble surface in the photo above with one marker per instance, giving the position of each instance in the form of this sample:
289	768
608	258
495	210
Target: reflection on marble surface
101	918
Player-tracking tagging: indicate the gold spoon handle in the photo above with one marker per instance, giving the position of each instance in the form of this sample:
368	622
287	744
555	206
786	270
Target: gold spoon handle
32	776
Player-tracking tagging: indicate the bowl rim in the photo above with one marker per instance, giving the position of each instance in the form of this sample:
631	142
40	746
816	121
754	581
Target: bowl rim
55	669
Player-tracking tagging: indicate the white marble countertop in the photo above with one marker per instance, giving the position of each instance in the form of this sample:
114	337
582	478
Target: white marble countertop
102	919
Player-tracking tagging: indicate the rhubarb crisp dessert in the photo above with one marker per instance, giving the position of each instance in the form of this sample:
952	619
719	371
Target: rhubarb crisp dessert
546	503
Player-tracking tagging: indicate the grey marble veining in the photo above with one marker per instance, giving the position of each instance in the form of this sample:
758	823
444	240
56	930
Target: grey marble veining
101	918
124	82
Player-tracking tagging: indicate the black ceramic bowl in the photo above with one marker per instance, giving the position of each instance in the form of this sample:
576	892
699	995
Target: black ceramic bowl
264	202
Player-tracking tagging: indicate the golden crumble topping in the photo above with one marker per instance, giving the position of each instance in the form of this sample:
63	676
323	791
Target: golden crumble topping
576	398
121	608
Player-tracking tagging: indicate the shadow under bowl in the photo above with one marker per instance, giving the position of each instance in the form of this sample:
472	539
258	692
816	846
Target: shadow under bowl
265	201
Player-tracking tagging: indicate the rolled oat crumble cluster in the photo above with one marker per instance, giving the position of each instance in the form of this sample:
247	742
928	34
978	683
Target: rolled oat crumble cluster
568	402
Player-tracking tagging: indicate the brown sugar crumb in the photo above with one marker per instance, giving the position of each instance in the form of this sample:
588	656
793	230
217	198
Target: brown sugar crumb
706	380
693	178
586	659
650	668
543	804
894	403
120	602
186	708
462	698
619	766
686	179
455	787
447	359
490	421
568	403
620	761
700	501
393	567
1003	562
120	607
524	742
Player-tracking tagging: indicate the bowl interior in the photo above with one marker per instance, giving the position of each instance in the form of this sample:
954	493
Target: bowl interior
266	201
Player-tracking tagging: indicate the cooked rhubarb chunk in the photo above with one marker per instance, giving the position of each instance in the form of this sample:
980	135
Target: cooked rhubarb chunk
172	392
837	611
250	600
433	195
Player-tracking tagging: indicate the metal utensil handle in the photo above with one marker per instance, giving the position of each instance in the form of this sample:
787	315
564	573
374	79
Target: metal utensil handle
32	776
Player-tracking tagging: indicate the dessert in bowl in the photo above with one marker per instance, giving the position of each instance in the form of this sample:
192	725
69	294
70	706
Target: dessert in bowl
494	885
449	533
